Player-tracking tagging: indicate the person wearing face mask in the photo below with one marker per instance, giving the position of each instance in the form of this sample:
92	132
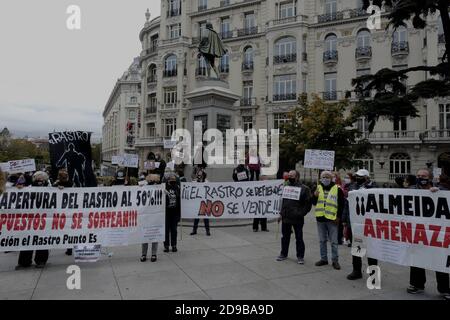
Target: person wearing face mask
362	181
294	207
151	179
417	275
61	183
40	179
173	213
347	231
329	202
200	178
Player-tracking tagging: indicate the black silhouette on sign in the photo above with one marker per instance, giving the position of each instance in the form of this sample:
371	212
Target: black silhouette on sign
74	162
358	249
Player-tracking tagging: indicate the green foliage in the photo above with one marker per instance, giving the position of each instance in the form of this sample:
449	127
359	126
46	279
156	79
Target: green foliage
321	125
18	149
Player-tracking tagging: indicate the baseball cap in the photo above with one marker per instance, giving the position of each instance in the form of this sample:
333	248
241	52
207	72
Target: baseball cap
363	173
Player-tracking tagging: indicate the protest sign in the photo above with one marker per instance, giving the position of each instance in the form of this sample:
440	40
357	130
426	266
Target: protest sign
437	172
49	218
116	160
18	166
170	144
87	253
403	226
292	193
130	161
72	151
231	200
319	159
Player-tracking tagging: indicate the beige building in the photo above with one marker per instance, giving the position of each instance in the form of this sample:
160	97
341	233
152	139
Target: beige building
276	51
122	117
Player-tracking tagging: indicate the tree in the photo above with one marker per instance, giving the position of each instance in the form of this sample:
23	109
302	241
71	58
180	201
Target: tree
18	149
388	84
321	125
97	154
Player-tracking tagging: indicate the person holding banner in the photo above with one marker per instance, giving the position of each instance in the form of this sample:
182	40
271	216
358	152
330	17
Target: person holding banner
417	275
173	213
329	202
64	182
151	179
201	177
295	206
40	179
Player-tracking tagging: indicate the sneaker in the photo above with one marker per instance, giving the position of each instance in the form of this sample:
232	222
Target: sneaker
153	258
349	245
143	258
174	249
208	233
414	290
166	249
281	258
193	233
354	275
336	265
301	261
321	263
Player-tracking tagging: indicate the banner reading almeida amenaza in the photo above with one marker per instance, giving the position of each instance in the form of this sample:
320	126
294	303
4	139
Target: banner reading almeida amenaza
49	218
231	200
403	226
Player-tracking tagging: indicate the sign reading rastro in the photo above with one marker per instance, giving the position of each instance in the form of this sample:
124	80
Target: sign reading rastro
403	226
231	200
49	218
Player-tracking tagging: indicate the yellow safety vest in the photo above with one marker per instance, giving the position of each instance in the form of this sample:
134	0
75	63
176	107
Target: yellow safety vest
327	207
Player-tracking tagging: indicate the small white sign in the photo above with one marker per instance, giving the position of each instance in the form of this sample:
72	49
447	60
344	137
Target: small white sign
319	159
171	165
19	166
358	248
86	253
149	165
253	160
437	172
242	176
116	160
292	193
170	144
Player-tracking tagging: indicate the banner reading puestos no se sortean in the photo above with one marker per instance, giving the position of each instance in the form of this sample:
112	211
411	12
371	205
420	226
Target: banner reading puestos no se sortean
403	226
231	200
49	218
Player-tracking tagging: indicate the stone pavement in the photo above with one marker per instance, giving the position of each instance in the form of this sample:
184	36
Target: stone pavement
235	263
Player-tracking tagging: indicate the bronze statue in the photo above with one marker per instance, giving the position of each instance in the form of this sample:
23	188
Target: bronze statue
211	47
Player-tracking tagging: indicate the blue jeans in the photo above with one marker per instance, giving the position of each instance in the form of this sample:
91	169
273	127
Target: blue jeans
328	230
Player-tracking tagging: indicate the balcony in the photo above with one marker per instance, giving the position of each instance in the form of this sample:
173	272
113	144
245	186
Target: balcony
248	66
248	102
285	20
224	3
226	35
440	136
327	17
441	38
247	31
153	49
363	53
400	48
202	7
285	97
224	68
149	142
150	110
151	83
286	58
358	13
168	106
170	73
393	136
330	57
329	95
201	72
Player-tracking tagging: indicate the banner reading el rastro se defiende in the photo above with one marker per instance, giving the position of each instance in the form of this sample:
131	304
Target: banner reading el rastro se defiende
231	200
403	226
49	218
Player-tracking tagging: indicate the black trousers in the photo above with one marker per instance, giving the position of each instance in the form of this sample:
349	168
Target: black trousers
286	239
357	263
417	278
171	232
340	232
26	257
258	221
254	174
197	221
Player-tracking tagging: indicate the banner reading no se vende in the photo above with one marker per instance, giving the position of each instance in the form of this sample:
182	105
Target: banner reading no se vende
403	226
49	218
231	200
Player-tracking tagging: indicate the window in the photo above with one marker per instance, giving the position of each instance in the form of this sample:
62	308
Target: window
202	29
359	73
151	130
247	94
202	69
132	115
133	100
224	65
400	125
248	59
400	35
249	21
304	82
154	42
279	119
223	123
365	162
151	103
444	119
285	87
287	10
202	5
330	6
175	31
330	86
170	96
174	8
363	125
168	127
170	66
204	120
286	50
400	165
247	123
363	39
151	74
225	28
331	42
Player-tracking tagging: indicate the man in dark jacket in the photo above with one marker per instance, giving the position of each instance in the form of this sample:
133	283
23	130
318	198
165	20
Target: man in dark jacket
295	206
173	213
329	201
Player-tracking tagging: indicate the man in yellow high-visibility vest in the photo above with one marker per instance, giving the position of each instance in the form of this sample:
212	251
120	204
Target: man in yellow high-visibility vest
329	201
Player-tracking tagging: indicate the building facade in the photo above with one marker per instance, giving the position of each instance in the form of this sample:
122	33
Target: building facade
122	117
278	50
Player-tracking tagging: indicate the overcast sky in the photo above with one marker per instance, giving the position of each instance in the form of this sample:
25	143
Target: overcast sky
55	79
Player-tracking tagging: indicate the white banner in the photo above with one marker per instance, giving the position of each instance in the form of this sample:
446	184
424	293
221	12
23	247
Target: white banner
319	159
231	200
402	226
19	166
87	253
49	218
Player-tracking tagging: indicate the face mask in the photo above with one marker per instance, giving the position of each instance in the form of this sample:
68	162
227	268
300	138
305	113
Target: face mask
291	180
172	183
325	181
152	183
360	180
39	183
347	181
334	180
21	181
423	182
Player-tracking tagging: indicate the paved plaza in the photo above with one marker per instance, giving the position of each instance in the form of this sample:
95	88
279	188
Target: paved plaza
235	263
